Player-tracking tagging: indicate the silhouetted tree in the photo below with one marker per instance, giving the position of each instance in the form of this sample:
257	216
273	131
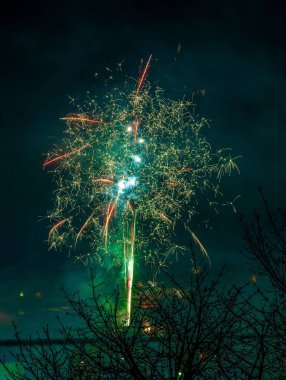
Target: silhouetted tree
175	332
265	245
265	239
199	330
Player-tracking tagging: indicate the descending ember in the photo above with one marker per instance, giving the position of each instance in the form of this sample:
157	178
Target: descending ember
104	180
136	129
55	227
202	248
64	155
143	75
81	118
110	210
83	228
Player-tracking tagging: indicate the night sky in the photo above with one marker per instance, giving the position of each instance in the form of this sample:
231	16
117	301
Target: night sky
234	50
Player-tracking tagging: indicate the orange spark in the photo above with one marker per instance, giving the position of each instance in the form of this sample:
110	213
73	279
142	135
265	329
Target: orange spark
110	211
79	118
164	217
143	76
107	221
136	129
83	227
202	248
104	180
254	278
64	155
55	227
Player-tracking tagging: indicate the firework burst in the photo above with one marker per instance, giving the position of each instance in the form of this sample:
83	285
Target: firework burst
135	162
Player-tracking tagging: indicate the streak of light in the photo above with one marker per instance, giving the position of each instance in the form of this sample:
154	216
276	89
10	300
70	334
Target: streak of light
130	269
110	210
107	220
202	248
55	227
83	227
136	129
125	261
104	180
64	155
129	289
79	118
143	76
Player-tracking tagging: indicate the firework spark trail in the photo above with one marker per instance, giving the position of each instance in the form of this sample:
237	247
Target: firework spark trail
130	270
55	227
124	258
110	211
79	118
64	155
139	86
83	227
143	77
104	180
136	129
107	221
202	248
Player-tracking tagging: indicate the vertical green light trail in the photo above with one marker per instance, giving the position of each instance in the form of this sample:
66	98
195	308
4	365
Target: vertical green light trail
130	268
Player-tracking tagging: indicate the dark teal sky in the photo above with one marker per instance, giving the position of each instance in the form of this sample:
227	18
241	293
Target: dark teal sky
234	50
